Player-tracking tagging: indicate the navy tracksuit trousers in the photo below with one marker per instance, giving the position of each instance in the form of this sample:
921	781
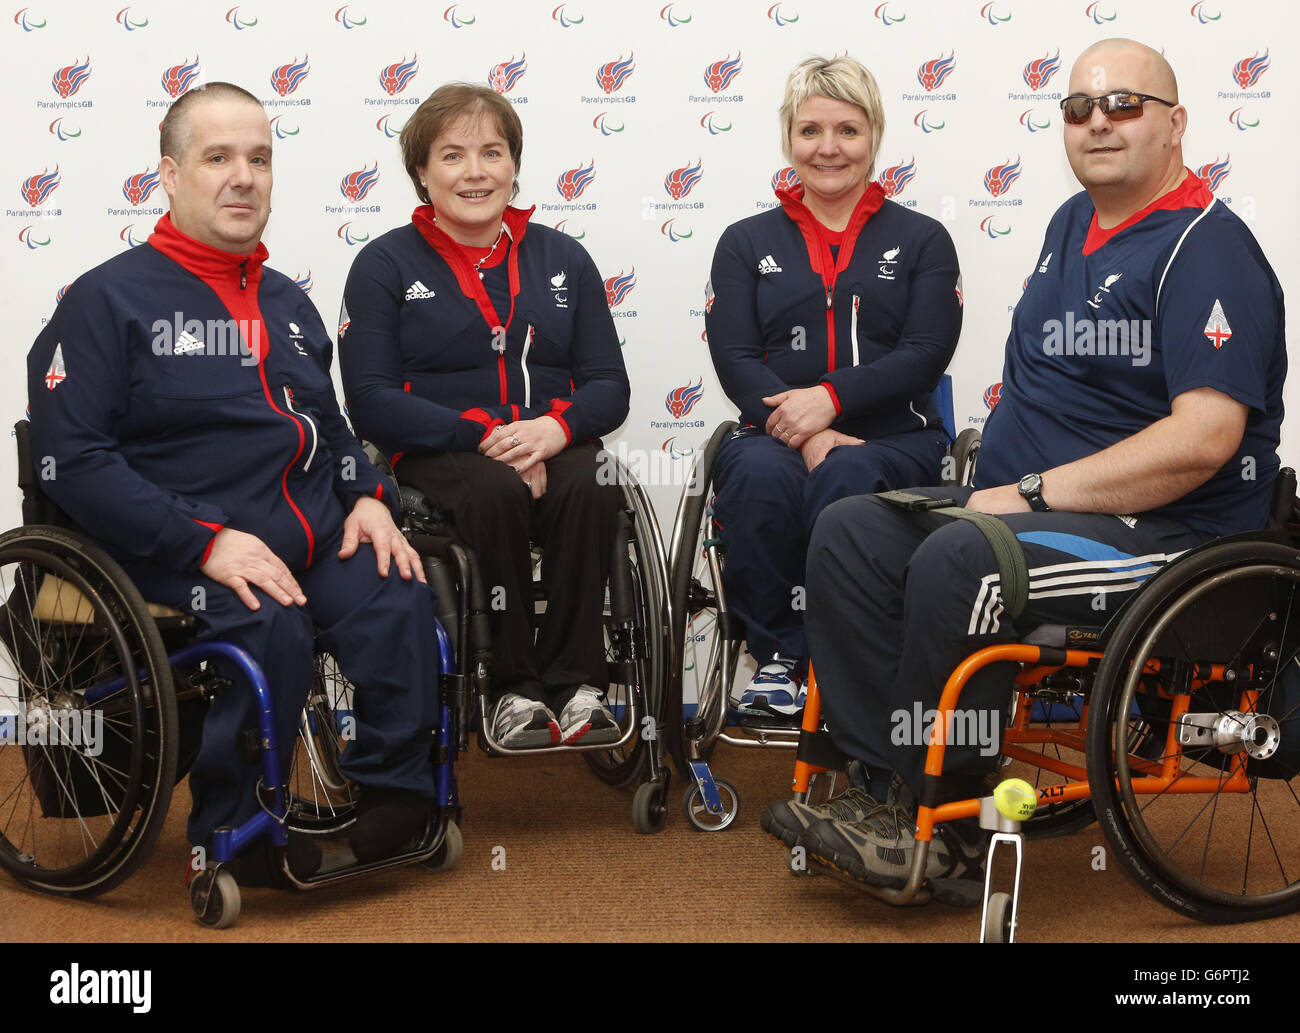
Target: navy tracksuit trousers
380	631
896	600
767	503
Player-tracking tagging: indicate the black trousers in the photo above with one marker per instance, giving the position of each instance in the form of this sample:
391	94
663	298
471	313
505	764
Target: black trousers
573	522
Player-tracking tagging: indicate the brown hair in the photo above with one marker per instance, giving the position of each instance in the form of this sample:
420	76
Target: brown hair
442	108
174	132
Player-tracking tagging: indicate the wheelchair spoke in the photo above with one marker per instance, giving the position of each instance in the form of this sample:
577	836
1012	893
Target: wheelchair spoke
1256	809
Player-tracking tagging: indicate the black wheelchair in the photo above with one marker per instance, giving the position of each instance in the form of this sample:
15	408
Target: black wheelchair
636	641
709	637
102	699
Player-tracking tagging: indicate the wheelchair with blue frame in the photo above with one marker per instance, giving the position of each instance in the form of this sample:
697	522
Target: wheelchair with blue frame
709	637
1176	726
102	699
636	641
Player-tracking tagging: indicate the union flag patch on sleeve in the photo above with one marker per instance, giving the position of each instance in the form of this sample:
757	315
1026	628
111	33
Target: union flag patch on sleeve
58	372
1216	327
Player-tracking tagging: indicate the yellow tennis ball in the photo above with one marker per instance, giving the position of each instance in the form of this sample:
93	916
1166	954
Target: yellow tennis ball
1015	799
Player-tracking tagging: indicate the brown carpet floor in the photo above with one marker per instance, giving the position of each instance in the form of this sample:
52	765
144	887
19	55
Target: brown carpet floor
577	871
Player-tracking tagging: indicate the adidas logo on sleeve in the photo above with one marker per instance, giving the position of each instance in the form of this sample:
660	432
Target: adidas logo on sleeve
418	290
768	265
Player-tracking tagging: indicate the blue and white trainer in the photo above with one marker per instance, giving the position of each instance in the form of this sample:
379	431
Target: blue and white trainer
777	688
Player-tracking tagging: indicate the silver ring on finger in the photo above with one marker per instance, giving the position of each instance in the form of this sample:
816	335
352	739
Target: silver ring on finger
514	441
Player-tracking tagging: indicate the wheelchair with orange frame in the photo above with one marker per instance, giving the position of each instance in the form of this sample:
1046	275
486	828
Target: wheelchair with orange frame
1176	726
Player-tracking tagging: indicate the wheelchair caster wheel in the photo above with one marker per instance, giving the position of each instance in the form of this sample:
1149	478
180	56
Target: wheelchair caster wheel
218	908
447	856
648	811
997	923
698	813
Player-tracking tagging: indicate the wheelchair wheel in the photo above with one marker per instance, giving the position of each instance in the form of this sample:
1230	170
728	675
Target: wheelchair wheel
997	921
220	909
636	642
959	467
88	723
1216	635
701	627
320	797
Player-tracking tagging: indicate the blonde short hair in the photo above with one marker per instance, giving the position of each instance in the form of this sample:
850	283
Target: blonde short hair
840	78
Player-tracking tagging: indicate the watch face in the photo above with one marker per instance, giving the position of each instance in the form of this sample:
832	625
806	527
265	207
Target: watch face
1031	482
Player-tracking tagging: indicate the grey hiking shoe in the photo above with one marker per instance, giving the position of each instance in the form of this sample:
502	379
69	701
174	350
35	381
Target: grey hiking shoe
878	851
786	819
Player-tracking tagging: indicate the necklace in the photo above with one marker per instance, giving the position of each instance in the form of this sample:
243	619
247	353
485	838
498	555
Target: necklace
491	250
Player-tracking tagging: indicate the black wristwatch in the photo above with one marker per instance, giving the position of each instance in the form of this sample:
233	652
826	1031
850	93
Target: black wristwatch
1031	489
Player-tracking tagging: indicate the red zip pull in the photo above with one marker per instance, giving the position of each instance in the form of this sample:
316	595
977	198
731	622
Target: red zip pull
828	297
243	274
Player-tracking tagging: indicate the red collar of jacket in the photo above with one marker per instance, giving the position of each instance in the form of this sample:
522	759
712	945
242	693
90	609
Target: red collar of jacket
467	277
516	223
815	234
206	262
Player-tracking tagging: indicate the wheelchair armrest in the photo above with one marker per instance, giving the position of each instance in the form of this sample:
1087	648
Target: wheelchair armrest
1282	508
415	504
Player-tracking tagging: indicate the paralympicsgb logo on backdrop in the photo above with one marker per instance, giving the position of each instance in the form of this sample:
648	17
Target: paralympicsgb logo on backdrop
785	179
396	77
895	178
288	77
617	288
503	77
681	400
137	188
720	74
1246	74
1037	74
932	73
1247	71
998	179
69	79
611	76
180	78
992	395
573	182
680	182
37	188
354	187
1215	172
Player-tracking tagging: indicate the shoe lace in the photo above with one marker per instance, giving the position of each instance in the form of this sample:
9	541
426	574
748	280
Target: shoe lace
889	821
851	805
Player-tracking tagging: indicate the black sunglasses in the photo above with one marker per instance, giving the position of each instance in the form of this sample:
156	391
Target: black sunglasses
1119	106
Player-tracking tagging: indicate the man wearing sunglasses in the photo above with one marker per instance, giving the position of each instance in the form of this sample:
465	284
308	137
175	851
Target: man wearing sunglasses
1139	417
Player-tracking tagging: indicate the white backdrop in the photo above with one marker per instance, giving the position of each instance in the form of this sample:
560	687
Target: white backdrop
615	99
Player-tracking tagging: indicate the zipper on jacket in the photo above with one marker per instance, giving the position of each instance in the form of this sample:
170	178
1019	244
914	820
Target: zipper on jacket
853	328
830	333
288	401
243	275
523	365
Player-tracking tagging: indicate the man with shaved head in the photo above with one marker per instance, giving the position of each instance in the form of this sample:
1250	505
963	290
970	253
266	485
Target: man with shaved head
181	393
1139	417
